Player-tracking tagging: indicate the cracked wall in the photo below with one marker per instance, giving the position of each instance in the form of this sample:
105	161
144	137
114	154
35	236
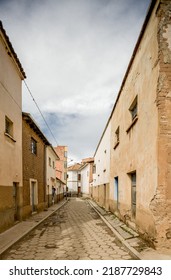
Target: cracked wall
161	202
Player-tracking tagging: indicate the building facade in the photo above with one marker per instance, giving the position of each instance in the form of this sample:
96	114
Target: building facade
11	179
61	164
140	166
51	184
74	179
86	171
101	169
34	167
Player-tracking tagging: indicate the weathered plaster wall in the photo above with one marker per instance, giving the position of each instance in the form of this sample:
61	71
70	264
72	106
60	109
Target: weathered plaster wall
10	149
161	202
137	149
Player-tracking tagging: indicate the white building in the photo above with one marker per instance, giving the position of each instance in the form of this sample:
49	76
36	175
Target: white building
86	171
74	178
101	172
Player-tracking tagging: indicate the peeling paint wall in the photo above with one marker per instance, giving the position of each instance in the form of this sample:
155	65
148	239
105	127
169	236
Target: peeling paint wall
145	143
161	202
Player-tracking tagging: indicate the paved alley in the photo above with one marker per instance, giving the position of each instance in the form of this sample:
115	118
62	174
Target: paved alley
74	232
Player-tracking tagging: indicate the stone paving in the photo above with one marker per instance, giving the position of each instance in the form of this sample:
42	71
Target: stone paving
74	232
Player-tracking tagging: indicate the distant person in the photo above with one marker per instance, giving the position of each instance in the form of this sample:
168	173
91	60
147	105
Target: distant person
53	194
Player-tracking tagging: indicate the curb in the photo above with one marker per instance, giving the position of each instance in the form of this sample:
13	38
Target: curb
132	251
30	229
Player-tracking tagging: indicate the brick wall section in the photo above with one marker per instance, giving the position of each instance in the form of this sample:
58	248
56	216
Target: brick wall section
33	168
161	203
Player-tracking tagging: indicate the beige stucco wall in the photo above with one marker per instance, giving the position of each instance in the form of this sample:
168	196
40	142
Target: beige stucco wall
10	106
10	149
137	149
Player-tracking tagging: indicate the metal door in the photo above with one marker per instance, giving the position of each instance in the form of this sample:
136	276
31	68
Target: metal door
133	194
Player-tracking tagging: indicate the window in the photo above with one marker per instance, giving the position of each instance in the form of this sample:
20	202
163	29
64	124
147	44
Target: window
53	164
116	138
33	146
8	126
65	164
133	108
65	154
49	161
79	177
94	169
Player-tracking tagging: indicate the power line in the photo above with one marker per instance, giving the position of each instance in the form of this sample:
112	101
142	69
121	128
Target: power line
10	95
40	112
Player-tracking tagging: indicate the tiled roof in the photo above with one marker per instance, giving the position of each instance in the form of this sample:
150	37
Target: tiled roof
74	167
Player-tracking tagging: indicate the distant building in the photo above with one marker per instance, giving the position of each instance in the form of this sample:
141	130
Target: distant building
51	186
35	189
74	179
101	169
61	164
86	172
60	189
11	178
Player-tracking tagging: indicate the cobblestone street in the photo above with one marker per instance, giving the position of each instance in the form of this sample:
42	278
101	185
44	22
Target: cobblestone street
74	232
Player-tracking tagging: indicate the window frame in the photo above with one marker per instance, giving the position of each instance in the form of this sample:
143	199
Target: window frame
33	146
117	137
133	109
9	126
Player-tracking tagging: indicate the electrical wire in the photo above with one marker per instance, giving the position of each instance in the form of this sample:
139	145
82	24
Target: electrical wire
40	112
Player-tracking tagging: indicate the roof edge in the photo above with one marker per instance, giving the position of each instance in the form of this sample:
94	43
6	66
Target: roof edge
11	51
148	15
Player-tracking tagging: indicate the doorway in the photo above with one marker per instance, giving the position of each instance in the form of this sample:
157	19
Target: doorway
116	192
133	194
15	200
33	195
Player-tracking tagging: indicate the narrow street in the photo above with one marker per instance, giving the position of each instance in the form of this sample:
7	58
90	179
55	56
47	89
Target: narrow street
74	232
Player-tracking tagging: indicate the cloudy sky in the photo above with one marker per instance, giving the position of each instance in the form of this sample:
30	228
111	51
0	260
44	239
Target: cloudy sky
75	54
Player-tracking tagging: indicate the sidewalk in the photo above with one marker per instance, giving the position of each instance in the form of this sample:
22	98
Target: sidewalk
18	231
129	238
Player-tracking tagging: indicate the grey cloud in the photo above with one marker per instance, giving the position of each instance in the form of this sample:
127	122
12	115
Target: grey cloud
75	54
